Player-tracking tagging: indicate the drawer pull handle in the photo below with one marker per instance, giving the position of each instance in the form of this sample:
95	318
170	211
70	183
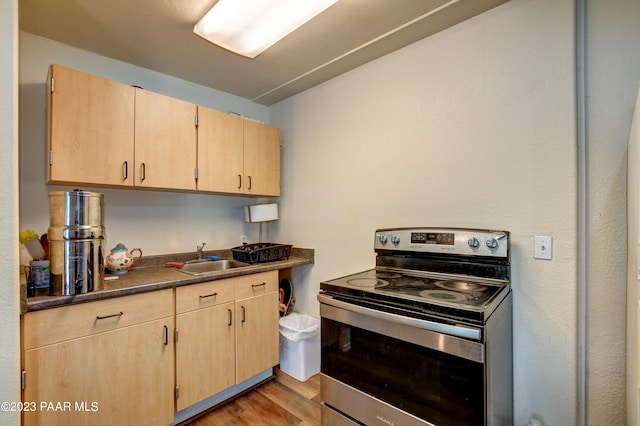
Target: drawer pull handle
208	295
258	285
166	335
119	314
249	183
143	169
239	181
126	170
244	316
230	317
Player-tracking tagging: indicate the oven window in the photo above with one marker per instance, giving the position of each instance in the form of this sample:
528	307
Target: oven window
434	386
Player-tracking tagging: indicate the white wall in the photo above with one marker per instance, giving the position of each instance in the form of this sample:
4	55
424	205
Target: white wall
612	77
476	126
158	222
633	266
9	289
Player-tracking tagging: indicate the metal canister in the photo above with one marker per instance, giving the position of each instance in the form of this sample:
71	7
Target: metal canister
76	242
76	208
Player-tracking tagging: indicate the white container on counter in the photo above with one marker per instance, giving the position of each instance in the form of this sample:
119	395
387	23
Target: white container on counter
40	273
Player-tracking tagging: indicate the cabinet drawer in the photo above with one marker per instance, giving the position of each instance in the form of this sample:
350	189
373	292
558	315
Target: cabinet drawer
196	296
256	284
69	322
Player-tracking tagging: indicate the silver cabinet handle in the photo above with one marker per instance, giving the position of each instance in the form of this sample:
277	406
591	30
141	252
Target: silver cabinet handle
119	314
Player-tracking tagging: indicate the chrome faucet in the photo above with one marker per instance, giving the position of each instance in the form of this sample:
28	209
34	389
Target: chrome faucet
200	255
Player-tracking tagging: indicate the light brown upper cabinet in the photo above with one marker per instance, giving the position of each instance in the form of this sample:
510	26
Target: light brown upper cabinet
165	142
220	151
261	159
104	133
90	129
237	155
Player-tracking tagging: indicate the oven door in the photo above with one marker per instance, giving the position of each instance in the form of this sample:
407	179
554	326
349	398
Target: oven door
384	368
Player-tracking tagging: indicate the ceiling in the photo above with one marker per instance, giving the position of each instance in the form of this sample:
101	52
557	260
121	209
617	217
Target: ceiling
158	35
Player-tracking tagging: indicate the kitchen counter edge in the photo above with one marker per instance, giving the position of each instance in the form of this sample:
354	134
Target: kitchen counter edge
153	277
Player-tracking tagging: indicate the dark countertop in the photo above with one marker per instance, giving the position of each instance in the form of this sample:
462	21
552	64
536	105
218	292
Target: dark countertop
150	275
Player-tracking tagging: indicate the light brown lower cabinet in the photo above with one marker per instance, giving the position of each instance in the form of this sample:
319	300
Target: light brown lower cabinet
227	332
138	359
205	347
257	331
100	363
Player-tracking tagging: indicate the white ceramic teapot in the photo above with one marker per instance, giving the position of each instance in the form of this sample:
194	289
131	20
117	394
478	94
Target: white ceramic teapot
120	259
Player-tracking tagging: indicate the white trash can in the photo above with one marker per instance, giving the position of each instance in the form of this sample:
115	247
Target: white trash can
299	346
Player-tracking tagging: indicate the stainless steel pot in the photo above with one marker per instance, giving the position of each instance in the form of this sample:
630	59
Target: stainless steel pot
79	266
75	208
76	242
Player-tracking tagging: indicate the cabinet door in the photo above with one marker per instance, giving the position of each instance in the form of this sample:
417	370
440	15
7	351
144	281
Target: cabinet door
205	362
165	142
90	129
256	335
261	159
122	377
220	152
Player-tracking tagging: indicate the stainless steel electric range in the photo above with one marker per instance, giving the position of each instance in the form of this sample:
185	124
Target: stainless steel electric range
425	338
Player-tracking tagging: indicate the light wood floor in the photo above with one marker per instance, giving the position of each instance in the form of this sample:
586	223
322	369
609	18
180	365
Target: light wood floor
283	401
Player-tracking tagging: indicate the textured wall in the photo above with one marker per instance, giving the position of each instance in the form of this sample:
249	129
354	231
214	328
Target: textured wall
10	310
476	126
612	77
633	267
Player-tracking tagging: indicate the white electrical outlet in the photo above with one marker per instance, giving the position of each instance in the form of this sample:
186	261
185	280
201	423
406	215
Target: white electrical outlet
543	247
243	239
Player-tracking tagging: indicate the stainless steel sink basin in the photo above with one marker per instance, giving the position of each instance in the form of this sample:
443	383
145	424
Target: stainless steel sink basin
203	268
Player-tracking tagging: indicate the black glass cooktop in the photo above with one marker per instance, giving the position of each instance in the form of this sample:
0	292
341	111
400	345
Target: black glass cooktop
453	297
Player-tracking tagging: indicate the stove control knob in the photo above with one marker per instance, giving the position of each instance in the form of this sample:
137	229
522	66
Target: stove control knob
473	242
395	239
383	239
492	243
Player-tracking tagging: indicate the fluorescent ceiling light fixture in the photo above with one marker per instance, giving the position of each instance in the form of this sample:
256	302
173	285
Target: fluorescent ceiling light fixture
249	27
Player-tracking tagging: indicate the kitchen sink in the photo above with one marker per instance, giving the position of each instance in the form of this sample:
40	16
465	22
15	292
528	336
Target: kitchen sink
207	267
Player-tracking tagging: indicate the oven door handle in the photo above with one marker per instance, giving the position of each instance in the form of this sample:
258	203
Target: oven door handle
454	330
443	337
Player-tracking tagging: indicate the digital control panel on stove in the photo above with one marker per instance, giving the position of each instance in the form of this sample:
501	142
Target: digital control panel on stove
477	242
